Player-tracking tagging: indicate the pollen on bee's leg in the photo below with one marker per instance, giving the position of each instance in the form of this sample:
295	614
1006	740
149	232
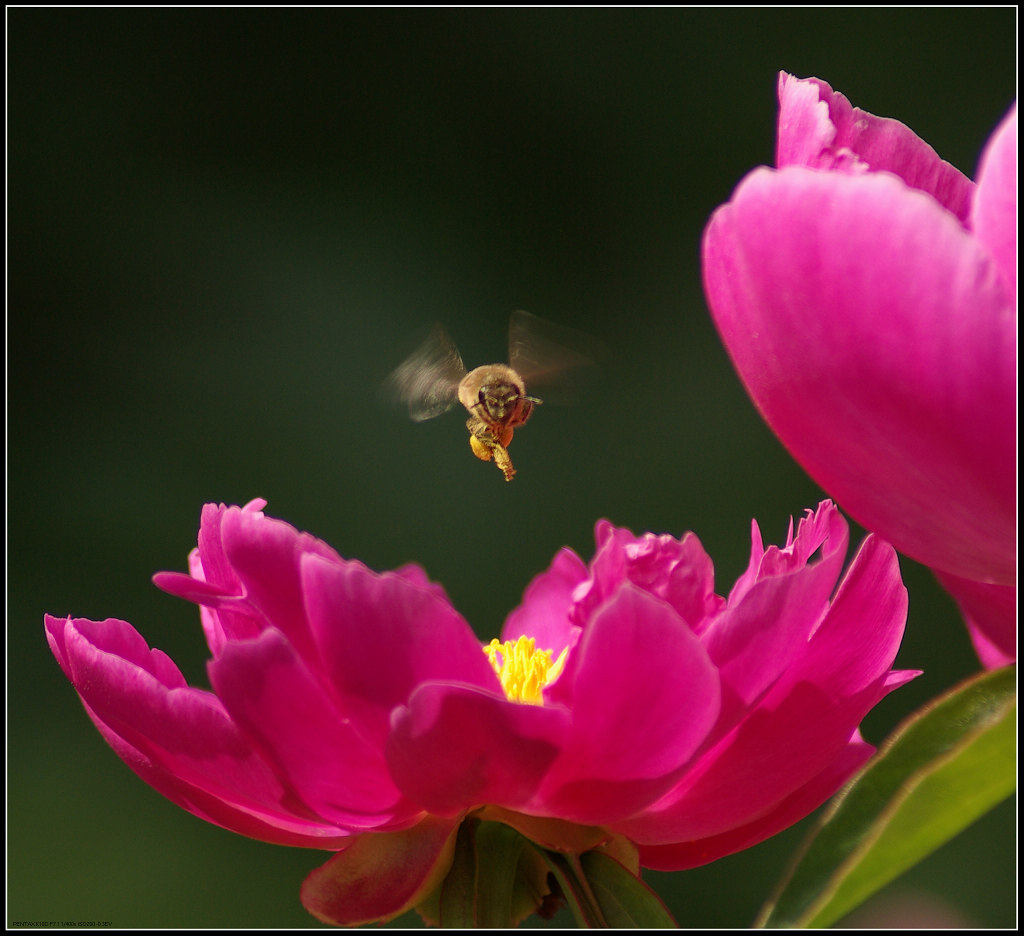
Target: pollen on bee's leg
480	449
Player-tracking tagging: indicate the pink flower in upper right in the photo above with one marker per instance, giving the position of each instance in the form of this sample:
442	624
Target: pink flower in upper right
866	292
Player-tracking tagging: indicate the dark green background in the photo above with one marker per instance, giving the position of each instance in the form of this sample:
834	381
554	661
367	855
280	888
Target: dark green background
226	226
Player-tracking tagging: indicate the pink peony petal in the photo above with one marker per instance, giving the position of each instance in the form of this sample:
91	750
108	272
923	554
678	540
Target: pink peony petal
991	615
266	556
544	613
805	129
379	636
874	334
176	738
854	648
455	746
804	722
645	696
994	215
818	128
767	622
797	805
314	747
691	586
267	824
213	584
679	571
197	590
117	639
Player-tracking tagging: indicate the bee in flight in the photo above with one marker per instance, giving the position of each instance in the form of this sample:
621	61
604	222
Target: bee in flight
433	379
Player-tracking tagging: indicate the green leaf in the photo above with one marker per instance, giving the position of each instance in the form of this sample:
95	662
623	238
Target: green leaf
945	766
624	899
497	878
498	848
457	895
603	893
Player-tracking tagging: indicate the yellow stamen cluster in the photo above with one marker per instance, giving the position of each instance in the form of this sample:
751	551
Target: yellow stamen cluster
524	670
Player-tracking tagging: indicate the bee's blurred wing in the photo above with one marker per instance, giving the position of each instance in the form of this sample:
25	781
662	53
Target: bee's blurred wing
555	359
428	380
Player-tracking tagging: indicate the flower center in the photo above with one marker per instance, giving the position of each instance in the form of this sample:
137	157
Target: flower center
524	670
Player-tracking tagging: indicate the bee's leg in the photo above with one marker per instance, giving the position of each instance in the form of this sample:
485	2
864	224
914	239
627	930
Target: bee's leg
502	460
485	446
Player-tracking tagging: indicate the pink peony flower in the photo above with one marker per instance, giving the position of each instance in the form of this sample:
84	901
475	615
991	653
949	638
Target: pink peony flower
625	702
866	292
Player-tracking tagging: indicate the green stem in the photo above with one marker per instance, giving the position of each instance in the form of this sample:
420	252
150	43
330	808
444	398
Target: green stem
571	878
